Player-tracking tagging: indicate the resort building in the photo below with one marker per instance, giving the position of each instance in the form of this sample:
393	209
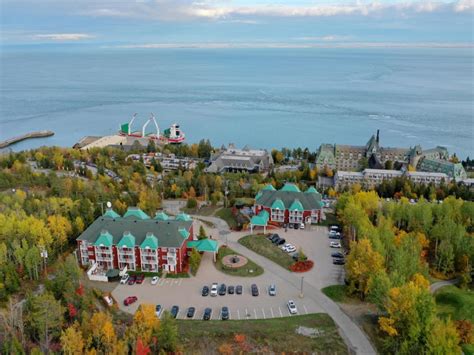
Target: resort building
287	205
369	178
136	241
232	159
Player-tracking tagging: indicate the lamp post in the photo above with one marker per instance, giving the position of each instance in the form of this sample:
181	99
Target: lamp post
301	289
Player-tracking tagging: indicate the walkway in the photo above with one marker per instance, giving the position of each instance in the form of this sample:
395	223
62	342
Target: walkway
356	340
437	285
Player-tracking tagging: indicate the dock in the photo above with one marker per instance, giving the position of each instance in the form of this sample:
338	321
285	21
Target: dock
37	134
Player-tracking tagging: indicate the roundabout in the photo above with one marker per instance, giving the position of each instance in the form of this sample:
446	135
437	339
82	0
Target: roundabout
234	261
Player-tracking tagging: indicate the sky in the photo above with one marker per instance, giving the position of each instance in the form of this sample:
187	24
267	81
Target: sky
222	23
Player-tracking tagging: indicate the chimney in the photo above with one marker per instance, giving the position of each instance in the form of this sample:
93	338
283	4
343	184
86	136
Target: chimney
377	139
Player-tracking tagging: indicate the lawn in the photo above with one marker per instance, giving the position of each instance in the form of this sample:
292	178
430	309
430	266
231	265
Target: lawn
275	335
261	245
208	210
336	292
250	269
226	215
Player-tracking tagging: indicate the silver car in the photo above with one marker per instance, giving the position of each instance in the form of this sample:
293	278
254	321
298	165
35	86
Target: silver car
272	291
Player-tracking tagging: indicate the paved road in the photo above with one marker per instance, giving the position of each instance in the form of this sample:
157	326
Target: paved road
437	285
356	340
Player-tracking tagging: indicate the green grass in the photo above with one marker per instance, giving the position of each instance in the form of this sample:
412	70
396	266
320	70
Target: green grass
226	215
338	293
250	269
275	335
259	244
178	275
330	220
455	302
203	211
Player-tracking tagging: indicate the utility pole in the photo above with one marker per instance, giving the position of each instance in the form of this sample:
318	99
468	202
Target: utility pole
301	290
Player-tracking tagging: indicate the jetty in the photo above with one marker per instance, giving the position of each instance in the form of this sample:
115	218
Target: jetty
37	134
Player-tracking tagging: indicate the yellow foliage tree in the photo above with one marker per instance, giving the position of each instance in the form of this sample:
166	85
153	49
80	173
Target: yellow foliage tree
60	228
145	324
72	341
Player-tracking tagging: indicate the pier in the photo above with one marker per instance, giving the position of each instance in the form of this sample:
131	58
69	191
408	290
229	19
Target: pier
37	134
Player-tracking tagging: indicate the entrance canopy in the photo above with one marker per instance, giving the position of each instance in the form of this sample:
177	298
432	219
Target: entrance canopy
260	220
207	245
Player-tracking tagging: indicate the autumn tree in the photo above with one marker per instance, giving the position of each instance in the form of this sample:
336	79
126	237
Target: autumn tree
72	341
168	333
194	261
145	325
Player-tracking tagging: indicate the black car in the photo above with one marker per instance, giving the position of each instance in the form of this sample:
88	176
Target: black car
207	314
174	311
281	241
332	236
337	255
272	236
290	225
230	290
191	311
338	261
225	313
297	225
222	290
276	240
295	256
238	289
254	289
205	291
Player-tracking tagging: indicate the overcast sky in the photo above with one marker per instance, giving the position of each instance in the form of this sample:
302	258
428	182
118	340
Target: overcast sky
237	22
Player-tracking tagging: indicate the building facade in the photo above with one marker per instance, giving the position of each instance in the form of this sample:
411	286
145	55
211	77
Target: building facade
137	241
231	159
289	204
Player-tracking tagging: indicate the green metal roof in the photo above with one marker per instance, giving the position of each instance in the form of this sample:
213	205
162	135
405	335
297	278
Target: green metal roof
261	219
128	240
259	194
161	216
183	217
296	206
278	204
150	242
310	201
111	213
184	233
311	190
290	187
208	245
269	187
105	239
135	212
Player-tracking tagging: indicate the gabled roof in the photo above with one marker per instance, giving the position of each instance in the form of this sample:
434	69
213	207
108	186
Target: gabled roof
136	213
184	233
290	188
105	239
296	206
183	217
161	216
311	190
110	213
128	240
208	245
150	242
269	187
261	219
309	201
278	204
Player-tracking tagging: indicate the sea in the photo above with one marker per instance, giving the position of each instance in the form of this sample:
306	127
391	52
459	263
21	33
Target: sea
264	98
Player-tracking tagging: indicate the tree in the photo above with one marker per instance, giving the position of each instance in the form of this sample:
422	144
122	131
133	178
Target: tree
72	341
145	324
202	233
194	261
60	228
389	165
443	338
151	147
33	262
168	334
191	203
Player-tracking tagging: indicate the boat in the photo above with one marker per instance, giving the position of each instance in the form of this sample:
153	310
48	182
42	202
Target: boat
172	135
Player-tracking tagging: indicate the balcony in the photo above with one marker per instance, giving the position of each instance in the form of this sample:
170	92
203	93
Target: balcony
147	252
126	258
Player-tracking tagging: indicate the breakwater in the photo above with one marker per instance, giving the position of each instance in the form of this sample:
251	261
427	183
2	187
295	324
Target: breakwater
37	134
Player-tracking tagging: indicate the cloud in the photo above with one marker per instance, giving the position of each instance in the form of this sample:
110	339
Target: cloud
63	36
327	38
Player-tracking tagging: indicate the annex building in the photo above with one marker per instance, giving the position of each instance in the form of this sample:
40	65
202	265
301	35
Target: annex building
136	241
287	205
231	159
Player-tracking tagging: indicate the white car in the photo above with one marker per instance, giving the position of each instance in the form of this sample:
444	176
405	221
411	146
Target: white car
286	246
335	244
302	226
214	290
124	279
291	249
154	280
292	307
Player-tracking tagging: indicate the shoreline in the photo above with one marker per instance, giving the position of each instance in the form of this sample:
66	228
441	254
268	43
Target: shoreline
37	134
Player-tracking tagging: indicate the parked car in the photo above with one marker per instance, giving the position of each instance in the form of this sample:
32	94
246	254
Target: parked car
296	225
222	290
273	236
338	261
295	256
154	280
337	254
225	313
214	289
140	278
230	290
302	226
335	244
334	236
254	289
191	311
292	307
272	291
276	240
129	300
238	289
108	300
205	291
207	314
290	225
124	279
281	241
291	249
284	247
174	311
132	279
158	310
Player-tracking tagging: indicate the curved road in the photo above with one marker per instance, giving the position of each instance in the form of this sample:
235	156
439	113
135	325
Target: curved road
437	285
354	337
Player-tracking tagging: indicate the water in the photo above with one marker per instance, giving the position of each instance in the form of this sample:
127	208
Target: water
262	97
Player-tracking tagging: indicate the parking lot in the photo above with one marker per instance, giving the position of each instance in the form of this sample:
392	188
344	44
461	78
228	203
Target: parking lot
186	292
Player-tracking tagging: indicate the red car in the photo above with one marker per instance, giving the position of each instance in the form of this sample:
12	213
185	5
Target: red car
140	278
132	279
129	300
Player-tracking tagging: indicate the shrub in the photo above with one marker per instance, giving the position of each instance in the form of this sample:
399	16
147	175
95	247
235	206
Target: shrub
192	203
